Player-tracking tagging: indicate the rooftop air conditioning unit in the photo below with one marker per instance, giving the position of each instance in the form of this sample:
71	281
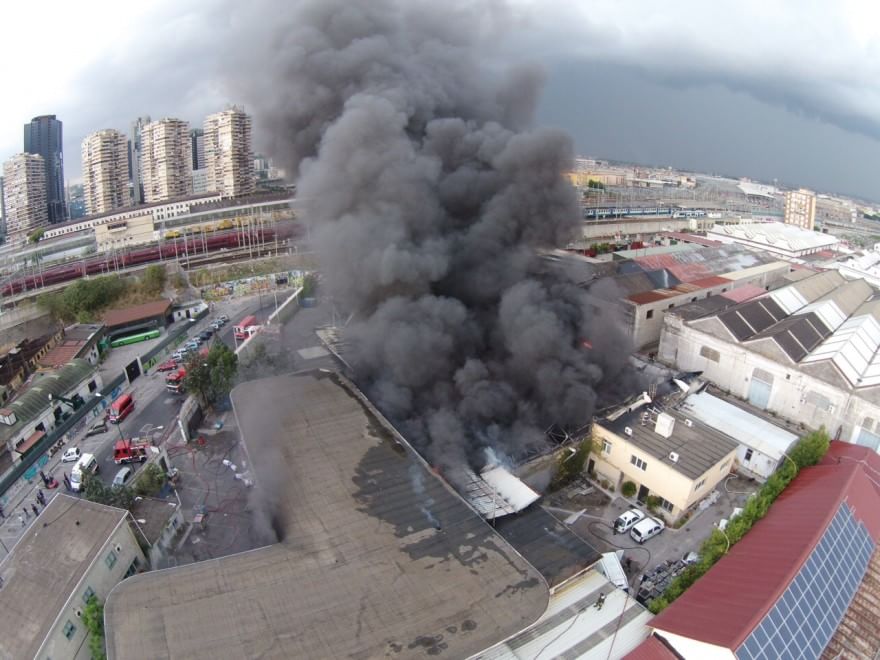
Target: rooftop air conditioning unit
688	422
673	456
627	430
665	424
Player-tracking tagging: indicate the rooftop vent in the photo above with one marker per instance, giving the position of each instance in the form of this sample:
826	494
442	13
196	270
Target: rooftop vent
7	416
627	430
673	456
665	424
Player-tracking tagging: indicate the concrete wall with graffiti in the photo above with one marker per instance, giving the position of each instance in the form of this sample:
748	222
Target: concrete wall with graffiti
253	285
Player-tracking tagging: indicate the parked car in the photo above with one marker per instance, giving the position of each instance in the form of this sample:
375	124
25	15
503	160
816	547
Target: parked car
168	365
216	325
122	476
646	529
206	334
690	558
71	455
223	319
627	520
192	345
97	428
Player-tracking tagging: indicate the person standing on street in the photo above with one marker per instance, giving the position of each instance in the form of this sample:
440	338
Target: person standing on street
2	513
27	514
35	509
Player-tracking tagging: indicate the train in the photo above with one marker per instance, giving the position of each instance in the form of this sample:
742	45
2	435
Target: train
111	262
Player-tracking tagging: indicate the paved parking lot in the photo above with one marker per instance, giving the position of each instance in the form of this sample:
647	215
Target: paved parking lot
591	518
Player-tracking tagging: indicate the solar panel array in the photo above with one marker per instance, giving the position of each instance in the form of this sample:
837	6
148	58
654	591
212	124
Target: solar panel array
803	620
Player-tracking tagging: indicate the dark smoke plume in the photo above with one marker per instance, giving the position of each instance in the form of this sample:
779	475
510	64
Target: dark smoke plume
429	193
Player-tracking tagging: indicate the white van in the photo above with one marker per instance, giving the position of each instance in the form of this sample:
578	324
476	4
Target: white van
87	464
646	529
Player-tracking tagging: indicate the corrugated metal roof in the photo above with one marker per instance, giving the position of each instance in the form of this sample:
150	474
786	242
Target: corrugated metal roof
744	273
117	317
692	238
573	627
743	293
506	486
756	571
775	234
33	401
739	424
651	649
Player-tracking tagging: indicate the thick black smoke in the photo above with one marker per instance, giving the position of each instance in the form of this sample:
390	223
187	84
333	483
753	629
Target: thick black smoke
429	194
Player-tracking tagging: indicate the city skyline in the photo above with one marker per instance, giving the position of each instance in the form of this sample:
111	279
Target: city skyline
636	83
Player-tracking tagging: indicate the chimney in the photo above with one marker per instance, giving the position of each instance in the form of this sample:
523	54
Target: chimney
665	424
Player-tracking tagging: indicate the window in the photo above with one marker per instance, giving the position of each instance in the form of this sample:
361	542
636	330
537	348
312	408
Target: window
748	455
700	484
650	314
671	305
666	505
110	559
638	462
87	596
69	629
132	569
710	354
92	386
606	447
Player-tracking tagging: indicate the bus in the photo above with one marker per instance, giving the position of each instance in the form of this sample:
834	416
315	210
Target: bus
245	328
134	339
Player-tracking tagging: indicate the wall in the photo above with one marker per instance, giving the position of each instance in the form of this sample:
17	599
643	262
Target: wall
792	391
138	230
101	579
759	466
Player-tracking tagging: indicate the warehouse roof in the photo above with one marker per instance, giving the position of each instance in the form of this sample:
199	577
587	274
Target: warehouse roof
379	556
35	399
46	565
812	547
775	235
117	317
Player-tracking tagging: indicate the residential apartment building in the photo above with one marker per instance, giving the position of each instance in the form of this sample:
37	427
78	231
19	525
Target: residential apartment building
166	160
73	551
105	171
43	136
800	208
229	157
135	149
24	194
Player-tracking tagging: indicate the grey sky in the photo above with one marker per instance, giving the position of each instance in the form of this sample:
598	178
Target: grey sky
765	89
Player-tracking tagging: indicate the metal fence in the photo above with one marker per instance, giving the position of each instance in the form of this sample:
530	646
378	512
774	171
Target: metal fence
22	469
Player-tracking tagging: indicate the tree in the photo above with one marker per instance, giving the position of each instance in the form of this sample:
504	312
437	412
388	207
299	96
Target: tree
93	619
84	299
36	235
210	377
153	280
94	490
571	464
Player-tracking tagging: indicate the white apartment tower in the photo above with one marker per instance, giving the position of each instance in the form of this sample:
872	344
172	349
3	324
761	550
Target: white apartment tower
105	171
229	157
24	195
166	160
800	208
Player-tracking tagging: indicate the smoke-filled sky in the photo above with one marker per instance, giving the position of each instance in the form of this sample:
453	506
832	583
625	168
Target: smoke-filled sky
772	90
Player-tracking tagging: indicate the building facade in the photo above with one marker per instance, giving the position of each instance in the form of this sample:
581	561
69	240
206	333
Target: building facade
43	136
197	141
24	194
105	171
166	160
229	157
74	551
800	208
136	185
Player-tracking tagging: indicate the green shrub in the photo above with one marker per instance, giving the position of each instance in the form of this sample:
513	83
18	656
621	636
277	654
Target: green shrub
653	503
628	489
808	451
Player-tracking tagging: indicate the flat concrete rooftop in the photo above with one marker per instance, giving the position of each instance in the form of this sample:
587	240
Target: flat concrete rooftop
379	557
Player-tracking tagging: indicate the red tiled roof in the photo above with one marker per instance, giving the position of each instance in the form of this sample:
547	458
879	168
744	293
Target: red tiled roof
754	574
117	317
743	293
61	354
651	649
677	290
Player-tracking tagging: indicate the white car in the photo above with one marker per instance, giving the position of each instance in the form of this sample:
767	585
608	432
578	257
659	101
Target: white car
71	455
627	520
122	476
646	529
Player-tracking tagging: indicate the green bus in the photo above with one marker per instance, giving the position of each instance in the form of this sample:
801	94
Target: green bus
134	339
